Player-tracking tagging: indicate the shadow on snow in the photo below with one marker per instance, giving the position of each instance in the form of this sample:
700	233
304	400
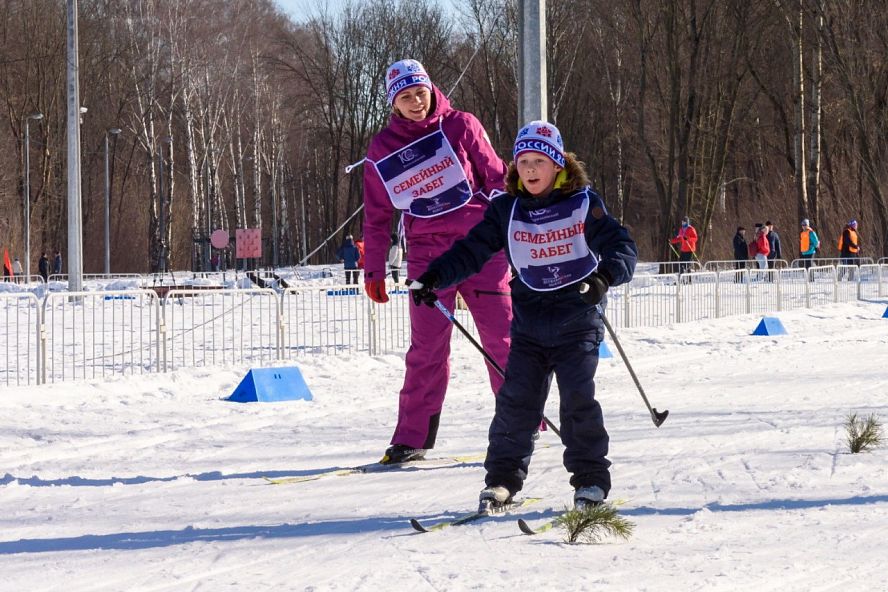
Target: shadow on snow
76	481
166	538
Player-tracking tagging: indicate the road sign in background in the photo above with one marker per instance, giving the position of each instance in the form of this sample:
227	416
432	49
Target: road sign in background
248	243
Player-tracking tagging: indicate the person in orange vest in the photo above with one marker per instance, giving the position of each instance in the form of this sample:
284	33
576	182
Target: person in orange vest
687	241
808	243
849	246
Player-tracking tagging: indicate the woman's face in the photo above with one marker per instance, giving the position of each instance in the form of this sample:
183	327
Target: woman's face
537	172
413	103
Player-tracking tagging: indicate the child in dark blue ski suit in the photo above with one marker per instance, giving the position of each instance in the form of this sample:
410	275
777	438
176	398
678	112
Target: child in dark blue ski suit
558	237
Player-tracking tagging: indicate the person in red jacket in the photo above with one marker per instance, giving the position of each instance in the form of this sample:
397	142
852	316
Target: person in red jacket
434	165
687	241
759	247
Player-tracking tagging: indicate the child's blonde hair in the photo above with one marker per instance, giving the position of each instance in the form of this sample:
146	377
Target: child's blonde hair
576	176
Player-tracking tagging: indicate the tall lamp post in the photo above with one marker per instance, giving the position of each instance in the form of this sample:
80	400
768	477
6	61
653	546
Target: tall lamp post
162	214
35	117
113	131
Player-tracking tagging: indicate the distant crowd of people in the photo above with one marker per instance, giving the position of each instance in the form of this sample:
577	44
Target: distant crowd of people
765	247
12	268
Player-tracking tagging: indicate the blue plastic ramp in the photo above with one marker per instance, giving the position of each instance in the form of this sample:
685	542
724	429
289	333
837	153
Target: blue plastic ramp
770	326
271	384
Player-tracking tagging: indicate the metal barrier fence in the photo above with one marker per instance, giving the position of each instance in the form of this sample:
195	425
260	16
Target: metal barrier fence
820	261
24	279
63	277
731	264
213	327
19	338
86	335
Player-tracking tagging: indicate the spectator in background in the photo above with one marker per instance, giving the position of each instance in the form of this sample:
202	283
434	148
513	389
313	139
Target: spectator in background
57	263
360	245
808	243
759	246
686	239
43	266
7	266
775	251
849	247
395	257
741	249
349	256
849	244
17	267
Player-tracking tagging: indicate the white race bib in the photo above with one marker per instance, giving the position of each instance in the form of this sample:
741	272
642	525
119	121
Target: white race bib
548	245
425	178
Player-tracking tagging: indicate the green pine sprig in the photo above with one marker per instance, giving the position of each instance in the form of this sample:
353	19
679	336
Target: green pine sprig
863	434
591	524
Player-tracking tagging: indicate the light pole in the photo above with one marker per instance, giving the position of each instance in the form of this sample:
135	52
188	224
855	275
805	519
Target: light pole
35	117
113	131
162	201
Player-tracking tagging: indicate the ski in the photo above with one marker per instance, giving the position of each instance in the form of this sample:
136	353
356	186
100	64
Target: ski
474	516
551	523
544	527
428	463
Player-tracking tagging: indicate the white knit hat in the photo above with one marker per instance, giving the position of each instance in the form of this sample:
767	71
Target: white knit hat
404	74
540	136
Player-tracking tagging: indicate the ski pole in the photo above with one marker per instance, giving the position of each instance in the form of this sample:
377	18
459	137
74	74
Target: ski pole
416	285
485	353
658	417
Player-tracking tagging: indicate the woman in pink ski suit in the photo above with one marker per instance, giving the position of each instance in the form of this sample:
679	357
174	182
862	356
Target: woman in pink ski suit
436	165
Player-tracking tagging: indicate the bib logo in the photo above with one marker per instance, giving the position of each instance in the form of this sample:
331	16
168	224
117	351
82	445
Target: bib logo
407	155
554	270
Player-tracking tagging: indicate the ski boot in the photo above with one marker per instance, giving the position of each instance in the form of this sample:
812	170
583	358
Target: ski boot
493	499
399	453
588	497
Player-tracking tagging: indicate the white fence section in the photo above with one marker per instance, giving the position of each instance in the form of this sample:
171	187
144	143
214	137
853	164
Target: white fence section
19	338
98	334
85	335
215	327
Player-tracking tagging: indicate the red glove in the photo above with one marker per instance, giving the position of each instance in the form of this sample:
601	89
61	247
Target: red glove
376	291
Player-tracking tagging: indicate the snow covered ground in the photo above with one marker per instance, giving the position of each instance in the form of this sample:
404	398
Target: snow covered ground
154	483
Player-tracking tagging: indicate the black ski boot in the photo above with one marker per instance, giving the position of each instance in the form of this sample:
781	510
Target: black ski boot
400	453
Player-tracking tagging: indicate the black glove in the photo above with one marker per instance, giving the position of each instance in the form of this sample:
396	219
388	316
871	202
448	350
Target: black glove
426	294
593	288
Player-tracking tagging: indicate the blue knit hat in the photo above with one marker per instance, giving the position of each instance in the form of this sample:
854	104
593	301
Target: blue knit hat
540	136
404	74
853	222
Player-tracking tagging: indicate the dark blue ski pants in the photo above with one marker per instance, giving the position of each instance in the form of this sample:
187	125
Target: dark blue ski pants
569	351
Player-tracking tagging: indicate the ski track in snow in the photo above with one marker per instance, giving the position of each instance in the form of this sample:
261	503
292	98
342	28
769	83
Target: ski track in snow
154	483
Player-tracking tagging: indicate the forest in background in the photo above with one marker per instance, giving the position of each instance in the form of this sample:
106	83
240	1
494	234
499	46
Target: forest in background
234	116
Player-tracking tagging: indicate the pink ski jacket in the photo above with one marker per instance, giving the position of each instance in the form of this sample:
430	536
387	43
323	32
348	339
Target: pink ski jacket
484	170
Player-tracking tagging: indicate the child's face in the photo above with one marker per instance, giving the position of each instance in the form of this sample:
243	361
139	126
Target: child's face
537	172
413	103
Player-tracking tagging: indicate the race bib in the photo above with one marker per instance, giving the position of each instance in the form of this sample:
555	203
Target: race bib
548	245
425	178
